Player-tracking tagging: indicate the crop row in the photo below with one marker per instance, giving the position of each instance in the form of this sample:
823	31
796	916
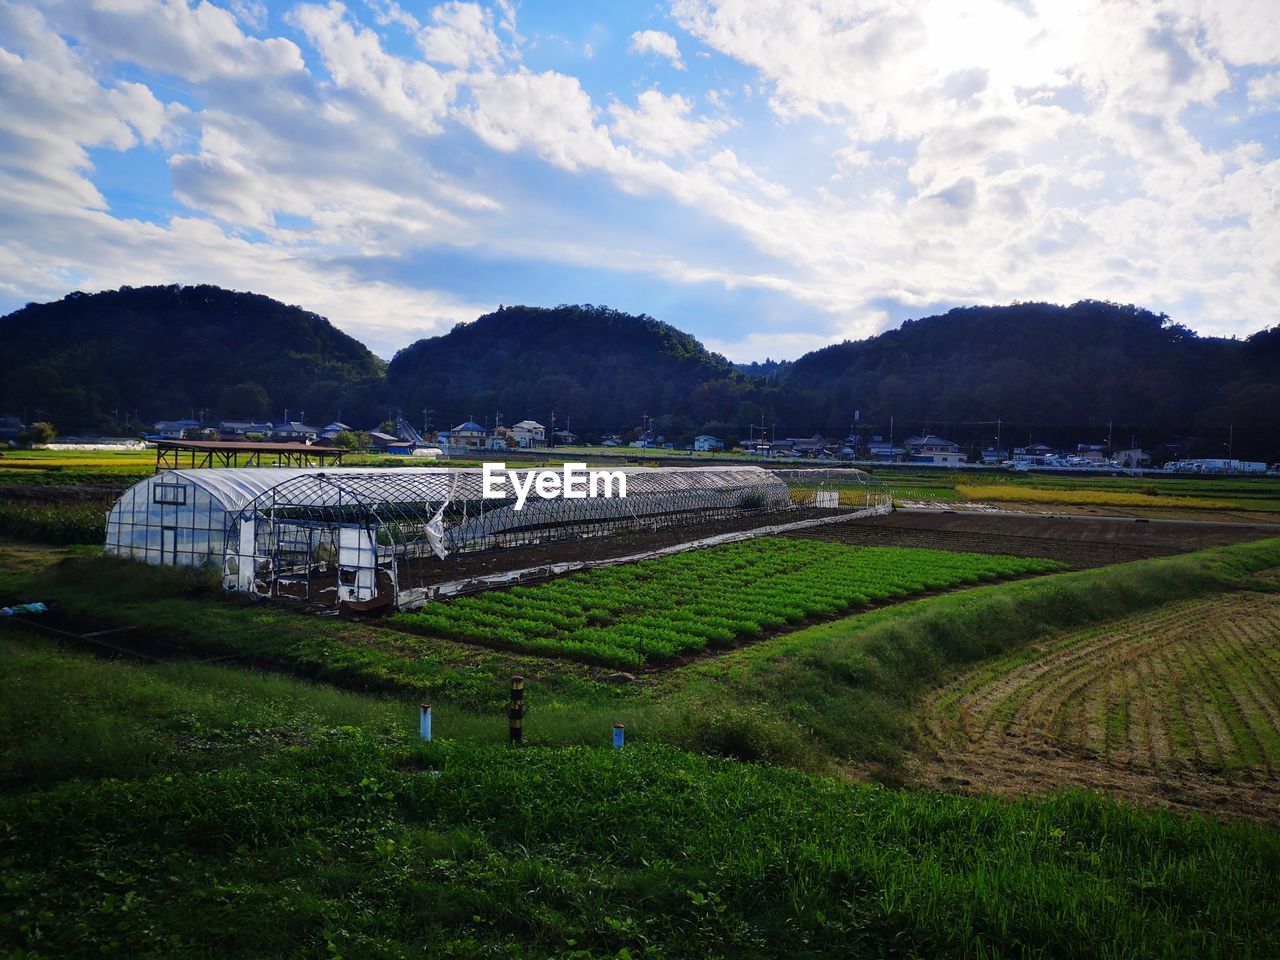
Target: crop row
54	522
661	608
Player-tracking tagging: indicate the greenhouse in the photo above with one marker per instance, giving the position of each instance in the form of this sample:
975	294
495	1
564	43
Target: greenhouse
376	537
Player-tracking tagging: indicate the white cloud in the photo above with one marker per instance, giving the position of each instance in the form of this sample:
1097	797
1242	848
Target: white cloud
1264	91
461	36
354	57
662	125
919	151
659	44
196	43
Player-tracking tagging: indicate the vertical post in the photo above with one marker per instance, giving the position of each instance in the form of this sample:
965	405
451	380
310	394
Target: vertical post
424	721
515	715
618	736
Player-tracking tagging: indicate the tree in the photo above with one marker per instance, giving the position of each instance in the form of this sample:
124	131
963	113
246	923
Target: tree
247	400
353	440
42	431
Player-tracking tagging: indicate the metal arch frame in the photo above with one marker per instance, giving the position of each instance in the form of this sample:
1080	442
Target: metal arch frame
805	482
396	510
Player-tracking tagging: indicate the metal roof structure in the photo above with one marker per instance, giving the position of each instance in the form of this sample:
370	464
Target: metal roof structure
228	454
382	530
372	536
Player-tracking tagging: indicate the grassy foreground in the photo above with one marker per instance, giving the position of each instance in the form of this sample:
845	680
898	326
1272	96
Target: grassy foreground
199	811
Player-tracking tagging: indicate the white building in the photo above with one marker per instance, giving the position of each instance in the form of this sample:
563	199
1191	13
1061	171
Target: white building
931	449
529	433
706	443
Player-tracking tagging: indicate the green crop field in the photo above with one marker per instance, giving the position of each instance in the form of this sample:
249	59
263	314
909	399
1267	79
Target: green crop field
75	522
652	611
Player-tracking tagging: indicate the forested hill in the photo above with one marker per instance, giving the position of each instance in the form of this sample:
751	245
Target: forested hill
599	369
1043	364
167	350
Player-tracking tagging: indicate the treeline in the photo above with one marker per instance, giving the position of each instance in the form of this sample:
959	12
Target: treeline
1062	373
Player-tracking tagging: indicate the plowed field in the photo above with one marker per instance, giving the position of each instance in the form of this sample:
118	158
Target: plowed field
1176	707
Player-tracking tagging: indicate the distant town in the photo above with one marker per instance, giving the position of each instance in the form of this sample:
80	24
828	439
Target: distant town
397	436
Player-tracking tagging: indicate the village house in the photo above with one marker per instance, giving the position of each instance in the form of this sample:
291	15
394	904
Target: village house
294	431
931	449
173	429
381	442
885	451
529	434
467	435
239	429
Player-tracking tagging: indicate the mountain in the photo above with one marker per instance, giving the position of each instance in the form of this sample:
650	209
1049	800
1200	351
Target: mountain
1037	364
1055	373
167	350
598	369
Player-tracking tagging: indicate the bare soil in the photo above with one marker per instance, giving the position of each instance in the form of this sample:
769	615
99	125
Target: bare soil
1173	708
467	565
1077	542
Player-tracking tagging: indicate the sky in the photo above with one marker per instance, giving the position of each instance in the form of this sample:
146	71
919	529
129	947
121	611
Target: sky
769	175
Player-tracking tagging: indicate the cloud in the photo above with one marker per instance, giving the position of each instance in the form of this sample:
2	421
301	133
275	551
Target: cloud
919	153
659	44
662	125
461	36
414	92
1264	91
196	43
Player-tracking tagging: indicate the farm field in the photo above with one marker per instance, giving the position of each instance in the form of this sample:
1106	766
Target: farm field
1250	499
1180	704
279	801
206	811
1077	542
1110	498
682	604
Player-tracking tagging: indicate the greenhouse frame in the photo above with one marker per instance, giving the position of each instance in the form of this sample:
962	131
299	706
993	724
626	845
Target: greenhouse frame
373	537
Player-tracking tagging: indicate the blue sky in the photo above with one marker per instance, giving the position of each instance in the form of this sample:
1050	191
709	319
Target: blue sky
771	175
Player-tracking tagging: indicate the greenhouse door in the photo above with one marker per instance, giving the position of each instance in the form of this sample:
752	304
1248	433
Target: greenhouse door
169	545
357	563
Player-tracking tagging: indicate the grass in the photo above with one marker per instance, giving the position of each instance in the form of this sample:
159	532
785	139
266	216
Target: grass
260	816
657	609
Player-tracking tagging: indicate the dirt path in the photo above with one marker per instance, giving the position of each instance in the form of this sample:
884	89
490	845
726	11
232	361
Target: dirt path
1177	707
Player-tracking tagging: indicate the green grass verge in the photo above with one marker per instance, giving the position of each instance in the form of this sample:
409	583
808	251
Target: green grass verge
256	816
